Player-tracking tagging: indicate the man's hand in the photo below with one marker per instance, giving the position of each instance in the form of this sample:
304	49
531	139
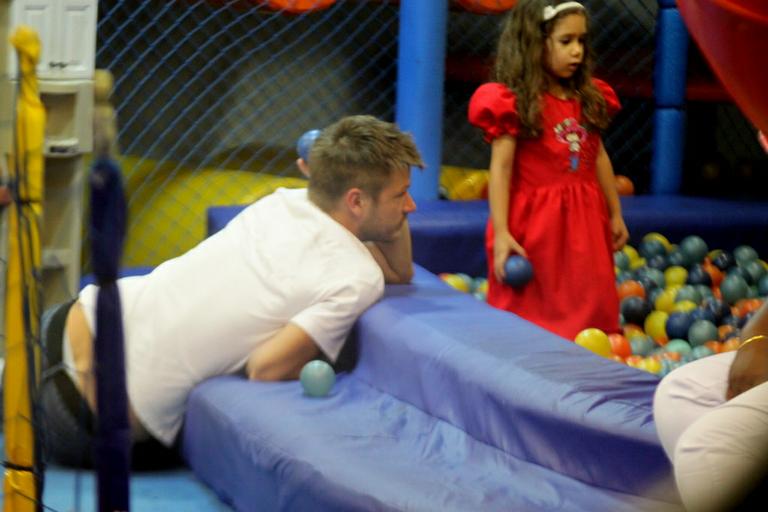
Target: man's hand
749	368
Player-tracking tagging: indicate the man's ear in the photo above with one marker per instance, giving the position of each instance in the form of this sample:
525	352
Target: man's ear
355	201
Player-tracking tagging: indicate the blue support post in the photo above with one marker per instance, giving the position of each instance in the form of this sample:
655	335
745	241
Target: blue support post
420	77
669	91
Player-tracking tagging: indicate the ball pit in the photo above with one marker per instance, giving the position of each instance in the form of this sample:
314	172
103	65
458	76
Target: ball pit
691	305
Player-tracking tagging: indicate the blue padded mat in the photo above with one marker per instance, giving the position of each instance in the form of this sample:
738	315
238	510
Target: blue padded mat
448	236
515	403
266	447
514	386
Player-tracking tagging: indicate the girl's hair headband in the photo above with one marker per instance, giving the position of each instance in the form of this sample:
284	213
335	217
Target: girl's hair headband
551	11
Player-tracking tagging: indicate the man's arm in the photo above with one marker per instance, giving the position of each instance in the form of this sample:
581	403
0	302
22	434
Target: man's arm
395	258
282	356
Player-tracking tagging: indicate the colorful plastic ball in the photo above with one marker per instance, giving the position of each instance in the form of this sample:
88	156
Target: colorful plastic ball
634	361
697	275
624	185
649	248
680	346
755	269
518	270
731	344
715	274
305	142
743	254
665	300
701	351
650	365
620	345
630	288
621	260
762	286
648	284
658	261
678	324
724	261
631	252
688	292
594	340
677	258
684	306
656	324
655	274
642	345
317	378
734	288
661	238
740	271
694	247
715	346
701	331
718	308
702	313
675	275
635	309
704	291
630	330
455	281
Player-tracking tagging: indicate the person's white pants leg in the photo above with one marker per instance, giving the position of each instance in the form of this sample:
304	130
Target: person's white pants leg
716	447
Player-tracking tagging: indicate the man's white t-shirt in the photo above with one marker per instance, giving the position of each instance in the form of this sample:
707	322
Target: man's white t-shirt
281	260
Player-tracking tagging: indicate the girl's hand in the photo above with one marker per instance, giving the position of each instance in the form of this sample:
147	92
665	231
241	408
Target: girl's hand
504	245
619	232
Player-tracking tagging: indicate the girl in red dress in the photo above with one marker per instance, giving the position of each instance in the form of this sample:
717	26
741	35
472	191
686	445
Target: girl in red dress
551	190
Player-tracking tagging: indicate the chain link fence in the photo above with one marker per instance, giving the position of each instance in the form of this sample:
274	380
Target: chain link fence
212	95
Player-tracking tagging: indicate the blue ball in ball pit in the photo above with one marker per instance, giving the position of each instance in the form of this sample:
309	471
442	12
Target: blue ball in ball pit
762	286
694	247
678	324
724	261
518	271
317	378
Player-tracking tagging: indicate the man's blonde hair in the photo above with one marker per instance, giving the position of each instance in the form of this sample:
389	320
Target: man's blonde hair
358	152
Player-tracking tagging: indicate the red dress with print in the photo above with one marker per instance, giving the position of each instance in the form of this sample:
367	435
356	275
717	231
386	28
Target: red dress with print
557	212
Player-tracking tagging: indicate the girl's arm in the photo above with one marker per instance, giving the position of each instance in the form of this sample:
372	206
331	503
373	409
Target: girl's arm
608	184
502	159
395	257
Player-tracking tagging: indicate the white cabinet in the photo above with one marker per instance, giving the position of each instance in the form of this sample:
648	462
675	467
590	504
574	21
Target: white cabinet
67	30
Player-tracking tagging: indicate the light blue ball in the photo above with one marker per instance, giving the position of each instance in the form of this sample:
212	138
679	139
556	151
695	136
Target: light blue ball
305	142
317	378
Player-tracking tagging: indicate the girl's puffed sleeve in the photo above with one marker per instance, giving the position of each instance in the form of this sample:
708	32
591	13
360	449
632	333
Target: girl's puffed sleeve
612	103
492	108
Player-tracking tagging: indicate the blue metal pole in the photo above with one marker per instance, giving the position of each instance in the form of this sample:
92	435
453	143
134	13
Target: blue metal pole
669	91
420	77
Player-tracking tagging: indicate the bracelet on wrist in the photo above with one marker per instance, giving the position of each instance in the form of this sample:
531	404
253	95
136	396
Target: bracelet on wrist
753	338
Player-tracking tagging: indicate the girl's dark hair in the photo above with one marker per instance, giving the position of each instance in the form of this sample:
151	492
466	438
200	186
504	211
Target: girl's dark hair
520	66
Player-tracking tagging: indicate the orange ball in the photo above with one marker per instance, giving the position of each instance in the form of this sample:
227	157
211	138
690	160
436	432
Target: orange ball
714	273
624	185
620	345
632	329
745	306
630	288
714	346
617	358
672	356
724	330
731	344
634	360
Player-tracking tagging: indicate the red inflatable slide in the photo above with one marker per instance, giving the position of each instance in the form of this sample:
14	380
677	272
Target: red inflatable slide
733	36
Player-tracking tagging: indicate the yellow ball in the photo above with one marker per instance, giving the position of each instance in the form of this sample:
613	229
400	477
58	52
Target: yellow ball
656	324
676	275
666	300
631	252
595	341
659	237
637	263
456	281
650	364
684	306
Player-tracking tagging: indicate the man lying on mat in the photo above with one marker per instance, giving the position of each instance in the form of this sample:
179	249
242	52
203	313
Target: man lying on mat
281	284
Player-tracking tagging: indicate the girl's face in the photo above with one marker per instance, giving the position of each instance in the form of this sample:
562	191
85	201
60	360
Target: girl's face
565	46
